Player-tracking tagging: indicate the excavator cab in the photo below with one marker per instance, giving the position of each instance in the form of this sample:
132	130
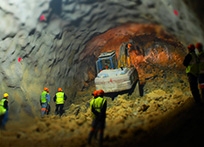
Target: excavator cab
106	60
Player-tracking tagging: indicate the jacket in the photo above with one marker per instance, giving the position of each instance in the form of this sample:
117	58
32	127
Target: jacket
45	97
60	98
191	63
98	107
3	106
201	62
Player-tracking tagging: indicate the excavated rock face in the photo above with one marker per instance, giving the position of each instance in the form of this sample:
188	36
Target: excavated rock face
55	43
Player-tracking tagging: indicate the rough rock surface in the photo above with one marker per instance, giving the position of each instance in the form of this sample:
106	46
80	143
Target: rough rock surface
51	50
61	51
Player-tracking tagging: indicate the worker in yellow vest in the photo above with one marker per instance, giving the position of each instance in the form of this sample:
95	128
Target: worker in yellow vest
59	99
191	62
199	46
45	102
4	111
98	107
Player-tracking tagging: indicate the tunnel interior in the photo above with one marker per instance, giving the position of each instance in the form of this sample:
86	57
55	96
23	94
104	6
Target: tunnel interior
67	47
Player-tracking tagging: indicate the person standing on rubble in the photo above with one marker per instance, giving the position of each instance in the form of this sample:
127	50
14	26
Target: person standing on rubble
98	107
191	63
4	111
199	46
59	99
45	102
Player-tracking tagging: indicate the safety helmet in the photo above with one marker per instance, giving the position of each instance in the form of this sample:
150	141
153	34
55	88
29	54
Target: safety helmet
6	95
191	47
129	45
46	89
59	89
100	92
199	46
95	93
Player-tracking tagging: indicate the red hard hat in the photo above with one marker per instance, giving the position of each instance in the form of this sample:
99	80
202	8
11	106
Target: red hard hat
100	92
199	45
59	89
95	93
191	47
46	89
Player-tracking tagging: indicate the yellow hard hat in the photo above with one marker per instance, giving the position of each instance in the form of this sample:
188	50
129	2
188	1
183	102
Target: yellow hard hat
6	95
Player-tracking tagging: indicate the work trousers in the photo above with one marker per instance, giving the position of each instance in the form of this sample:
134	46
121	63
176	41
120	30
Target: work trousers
98	125
44	109
4	119
193	81
201	85
59	109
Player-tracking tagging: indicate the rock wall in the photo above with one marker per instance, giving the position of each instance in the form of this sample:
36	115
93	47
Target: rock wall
38	53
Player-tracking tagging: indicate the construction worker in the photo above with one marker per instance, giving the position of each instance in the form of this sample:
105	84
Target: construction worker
199	46
45	102
191	63
98	107
59	99
129	47
124	56
4	111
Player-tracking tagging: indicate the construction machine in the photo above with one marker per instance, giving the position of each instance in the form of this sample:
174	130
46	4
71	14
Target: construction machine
115	75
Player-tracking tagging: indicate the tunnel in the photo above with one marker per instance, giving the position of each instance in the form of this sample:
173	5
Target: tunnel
57	43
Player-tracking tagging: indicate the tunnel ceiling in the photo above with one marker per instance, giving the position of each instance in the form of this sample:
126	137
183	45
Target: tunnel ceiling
55	43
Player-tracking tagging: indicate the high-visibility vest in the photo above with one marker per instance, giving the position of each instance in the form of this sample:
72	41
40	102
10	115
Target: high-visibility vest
2	109
193	65
201	62
60	98
43	97
97	103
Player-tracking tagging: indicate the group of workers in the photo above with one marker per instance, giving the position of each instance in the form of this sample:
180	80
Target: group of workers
59	98
194	63
98	106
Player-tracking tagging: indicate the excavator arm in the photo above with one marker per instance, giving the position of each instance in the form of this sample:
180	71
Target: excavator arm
124	56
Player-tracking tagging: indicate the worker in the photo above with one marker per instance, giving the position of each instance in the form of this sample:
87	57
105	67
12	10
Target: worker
129	47
191	63
199	46
124	55
45	102
4	111
59	99
98	107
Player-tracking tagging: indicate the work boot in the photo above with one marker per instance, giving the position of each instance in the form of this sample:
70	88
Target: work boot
101	138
